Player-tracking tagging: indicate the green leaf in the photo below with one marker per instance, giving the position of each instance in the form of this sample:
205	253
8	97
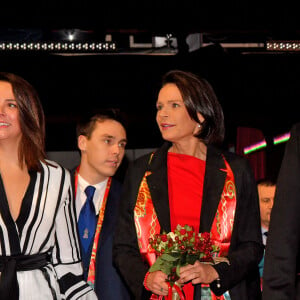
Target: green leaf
178	270
167	269
170	257
157	265
161	264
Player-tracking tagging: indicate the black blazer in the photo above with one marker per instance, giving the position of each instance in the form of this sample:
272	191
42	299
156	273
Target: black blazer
109	285
242	276
282	259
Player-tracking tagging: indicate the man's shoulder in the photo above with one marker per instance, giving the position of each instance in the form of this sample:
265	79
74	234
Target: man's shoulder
116	183
143	160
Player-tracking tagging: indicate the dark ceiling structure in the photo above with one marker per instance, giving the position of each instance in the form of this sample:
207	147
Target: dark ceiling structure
86	55
245	18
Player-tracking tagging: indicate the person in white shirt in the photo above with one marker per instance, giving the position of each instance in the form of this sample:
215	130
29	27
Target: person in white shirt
101	141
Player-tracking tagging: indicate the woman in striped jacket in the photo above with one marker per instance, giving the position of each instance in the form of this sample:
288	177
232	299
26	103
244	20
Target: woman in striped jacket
39	253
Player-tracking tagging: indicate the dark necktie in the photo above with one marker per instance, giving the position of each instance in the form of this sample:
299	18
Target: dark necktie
87	219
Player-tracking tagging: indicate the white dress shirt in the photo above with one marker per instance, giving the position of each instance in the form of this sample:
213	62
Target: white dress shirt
264	237
81	196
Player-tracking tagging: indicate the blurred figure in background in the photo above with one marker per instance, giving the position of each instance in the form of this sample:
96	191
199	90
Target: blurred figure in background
281	279
266	193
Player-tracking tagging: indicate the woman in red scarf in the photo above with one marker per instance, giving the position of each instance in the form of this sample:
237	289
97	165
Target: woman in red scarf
191	181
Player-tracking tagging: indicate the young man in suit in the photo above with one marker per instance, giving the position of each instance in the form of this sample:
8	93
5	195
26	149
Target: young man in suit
266	193
101	140
282	259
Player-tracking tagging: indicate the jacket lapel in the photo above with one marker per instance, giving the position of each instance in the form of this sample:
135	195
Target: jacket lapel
158	186
214	180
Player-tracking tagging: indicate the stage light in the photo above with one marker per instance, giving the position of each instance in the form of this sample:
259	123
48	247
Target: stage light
262	144
255	147
281	138
59	47
283	46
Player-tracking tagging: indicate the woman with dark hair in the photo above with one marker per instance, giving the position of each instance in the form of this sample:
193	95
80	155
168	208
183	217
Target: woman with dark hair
39	252
191	181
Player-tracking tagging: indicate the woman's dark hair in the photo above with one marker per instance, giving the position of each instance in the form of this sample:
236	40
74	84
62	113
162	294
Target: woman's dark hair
199	97
32	121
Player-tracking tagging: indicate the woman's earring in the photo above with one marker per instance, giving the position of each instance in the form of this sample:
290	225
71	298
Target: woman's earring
199	125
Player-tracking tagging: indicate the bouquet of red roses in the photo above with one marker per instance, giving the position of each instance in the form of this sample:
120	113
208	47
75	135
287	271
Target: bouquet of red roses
179	248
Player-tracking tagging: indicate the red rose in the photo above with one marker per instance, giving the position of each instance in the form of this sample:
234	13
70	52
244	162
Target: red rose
164	237
182	231
190	233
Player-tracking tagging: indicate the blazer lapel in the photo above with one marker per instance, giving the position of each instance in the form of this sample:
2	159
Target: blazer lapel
214	180
158	186
107	229
110	213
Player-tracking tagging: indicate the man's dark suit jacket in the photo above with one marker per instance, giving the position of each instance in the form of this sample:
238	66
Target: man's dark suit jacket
108	283
282	258
241	278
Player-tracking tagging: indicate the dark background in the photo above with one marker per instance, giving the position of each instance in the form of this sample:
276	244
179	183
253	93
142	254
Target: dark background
257	89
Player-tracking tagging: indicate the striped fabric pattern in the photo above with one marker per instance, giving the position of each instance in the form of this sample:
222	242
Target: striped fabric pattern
46	223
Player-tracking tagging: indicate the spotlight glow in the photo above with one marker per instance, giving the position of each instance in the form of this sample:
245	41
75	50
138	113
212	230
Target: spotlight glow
255	147
281	138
